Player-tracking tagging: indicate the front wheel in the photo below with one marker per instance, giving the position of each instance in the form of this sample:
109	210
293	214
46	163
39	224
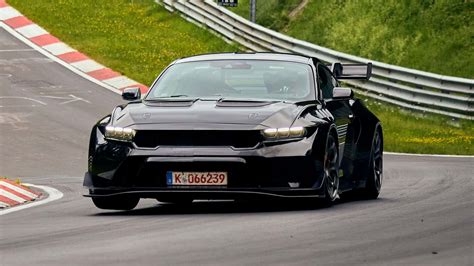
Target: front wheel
375	176
124	203
331	178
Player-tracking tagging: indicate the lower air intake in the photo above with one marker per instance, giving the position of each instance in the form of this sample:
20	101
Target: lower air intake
236	139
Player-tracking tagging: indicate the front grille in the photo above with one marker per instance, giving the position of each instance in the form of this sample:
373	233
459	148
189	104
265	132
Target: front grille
237	139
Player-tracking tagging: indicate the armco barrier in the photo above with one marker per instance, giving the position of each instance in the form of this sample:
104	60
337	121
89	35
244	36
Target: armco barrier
405	87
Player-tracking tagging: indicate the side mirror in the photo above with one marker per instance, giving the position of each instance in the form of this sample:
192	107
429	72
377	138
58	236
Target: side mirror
352	71
131	94
342	93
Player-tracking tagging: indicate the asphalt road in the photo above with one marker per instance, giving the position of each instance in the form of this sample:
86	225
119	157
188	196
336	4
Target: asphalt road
424	216
46	113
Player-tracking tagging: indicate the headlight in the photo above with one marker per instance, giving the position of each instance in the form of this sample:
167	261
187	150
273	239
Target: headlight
120	134
284	132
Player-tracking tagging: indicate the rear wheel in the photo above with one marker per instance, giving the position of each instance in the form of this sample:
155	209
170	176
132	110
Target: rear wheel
331	178
375	175
116	202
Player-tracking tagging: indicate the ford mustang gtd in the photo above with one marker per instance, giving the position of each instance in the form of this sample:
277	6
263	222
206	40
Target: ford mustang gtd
229	126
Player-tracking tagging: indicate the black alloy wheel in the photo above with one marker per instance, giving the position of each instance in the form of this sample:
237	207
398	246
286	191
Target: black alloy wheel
331	177
375	177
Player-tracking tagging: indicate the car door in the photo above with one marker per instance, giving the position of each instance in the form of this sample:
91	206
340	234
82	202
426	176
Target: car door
343	115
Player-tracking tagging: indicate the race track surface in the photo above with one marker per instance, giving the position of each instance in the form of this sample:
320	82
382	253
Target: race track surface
424	216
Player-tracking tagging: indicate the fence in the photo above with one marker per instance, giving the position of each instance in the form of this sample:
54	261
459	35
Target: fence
401	86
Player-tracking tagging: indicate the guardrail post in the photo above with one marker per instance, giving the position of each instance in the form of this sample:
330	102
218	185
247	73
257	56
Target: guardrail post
253	10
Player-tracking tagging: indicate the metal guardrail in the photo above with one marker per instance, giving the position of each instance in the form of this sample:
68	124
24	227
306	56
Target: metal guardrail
404	87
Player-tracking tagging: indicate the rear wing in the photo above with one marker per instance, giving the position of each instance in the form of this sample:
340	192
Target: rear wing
352	71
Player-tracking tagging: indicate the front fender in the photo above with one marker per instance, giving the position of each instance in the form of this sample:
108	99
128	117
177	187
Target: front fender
369	124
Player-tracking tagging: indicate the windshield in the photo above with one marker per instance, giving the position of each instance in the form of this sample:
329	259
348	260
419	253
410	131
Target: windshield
236	79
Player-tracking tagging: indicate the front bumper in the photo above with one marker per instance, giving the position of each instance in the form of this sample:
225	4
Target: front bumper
282	170
204	192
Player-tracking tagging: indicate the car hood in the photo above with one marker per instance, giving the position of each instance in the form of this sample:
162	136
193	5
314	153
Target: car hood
206	114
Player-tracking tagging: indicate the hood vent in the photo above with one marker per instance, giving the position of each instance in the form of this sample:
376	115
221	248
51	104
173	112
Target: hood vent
243	103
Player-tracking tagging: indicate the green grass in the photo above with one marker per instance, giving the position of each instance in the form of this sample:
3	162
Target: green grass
415	132
434	36
137	38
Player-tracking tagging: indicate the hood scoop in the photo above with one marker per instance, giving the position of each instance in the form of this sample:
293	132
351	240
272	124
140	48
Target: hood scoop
170	103
243	103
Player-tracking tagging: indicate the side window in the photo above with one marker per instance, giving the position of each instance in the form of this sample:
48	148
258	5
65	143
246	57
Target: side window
326	82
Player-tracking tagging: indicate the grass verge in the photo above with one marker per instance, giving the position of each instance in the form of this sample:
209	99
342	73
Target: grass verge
404	33
416	132
139	38
434	36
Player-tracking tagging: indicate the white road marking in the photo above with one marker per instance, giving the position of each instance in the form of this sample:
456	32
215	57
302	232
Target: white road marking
16	120
87	65
11	196
53	194
70	99
57	60
58	48
75	100
8	12
31	31
19	106
62	92
24	98
19	190
15	50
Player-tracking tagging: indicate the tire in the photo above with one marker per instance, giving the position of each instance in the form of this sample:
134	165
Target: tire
124	203
375	173
331	169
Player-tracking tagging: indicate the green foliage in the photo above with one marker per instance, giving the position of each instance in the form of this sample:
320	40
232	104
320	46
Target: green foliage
435	36
137	38
415	132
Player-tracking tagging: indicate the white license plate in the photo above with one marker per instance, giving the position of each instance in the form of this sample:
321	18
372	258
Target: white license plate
196	178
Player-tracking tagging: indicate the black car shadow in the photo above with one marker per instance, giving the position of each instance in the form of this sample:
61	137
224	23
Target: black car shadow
254	206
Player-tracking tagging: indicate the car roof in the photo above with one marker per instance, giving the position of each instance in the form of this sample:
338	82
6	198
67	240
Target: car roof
247	56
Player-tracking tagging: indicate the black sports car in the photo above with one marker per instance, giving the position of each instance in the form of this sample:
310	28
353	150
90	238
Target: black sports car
230	126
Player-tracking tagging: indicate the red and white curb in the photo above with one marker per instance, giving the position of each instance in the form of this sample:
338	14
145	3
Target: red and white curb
12	194
52	195
41	40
